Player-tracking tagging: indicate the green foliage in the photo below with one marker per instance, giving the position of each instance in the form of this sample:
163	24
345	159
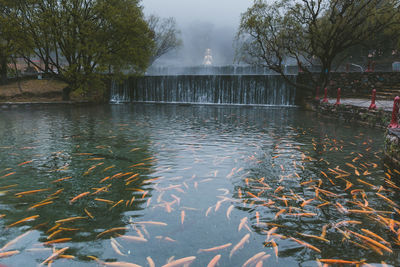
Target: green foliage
311	33
12	39
79	41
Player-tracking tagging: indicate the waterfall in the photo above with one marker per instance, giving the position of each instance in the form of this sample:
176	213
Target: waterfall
206	89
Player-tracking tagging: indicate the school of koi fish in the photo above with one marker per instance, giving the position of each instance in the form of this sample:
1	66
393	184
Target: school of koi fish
194	186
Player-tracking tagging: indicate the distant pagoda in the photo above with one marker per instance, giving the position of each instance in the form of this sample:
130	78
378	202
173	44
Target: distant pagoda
208	58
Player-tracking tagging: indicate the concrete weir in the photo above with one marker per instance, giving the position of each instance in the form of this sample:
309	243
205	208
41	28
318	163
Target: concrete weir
206	89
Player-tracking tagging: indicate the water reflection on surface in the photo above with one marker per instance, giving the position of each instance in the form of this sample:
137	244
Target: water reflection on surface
201	172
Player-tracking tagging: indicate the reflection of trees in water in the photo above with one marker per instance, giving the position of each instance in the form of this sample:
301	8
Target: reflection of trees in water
109	141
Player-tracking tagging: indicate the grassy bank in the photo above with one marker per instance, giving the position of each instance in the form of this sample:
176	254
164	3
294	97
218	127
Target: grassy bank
32	91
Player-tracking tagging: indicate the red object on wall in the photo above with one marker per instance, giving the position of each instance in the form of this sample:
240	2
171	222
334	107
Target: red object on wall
325	100
395	113
338	97
373	105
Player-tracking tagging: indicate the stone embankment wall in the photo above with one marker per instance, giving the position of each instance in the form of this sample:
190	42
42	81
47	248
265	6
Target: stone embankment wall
360	84
392	146
374	118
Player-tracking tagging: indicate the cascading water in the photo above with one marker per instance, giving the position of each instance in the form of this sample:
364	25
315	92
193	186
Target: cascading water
206	89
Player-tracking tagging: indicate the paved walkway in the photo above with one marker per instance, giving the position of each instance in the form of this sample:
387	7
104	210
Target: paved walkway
362	102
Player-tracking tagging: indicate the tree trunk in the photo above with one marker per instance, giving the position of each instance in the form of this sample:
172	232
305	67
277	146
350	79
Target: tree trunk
17	76
66	93
3	71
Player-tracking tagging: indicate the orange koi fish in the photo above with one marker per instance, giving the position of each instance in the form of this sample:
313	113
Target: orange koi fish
62	179
104	200
364	182
152	223
136	165
8	186
70	219
278	189
305	214
228	211
56	193
8	174
116	263
31	218
239	245
24	163
324	174
346	223
111	230
95	159
240	193
70	257
166	238
214	261
335	261
30	192
208	210
275	247
105	179
215	248
279	213
101	189
15	240
253	259
306	244
351	165
375	236
270	232
133	238
56	241
361	211
180	262
243	221
110	167
8	253
115	245
54	233
182	216
55	255
306	202
326	192
89	214
40	205
341	208
78	197
387	200
150	262
116	204
315	237
372	241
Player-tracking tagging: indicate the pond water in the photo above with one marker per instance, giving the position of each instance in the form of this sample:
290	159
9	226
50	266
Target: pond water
138	183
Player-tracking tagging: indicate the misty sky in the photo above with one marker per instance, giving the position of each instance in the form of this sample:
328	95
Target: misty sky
218	12
203	24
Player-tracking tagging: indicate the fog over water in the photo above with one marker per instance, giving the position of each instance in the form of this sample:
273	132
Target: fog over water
203	24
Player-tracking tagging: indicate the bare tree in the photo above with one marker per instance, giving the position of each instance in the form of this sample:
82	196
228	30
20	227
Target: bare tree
166	36
312	33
